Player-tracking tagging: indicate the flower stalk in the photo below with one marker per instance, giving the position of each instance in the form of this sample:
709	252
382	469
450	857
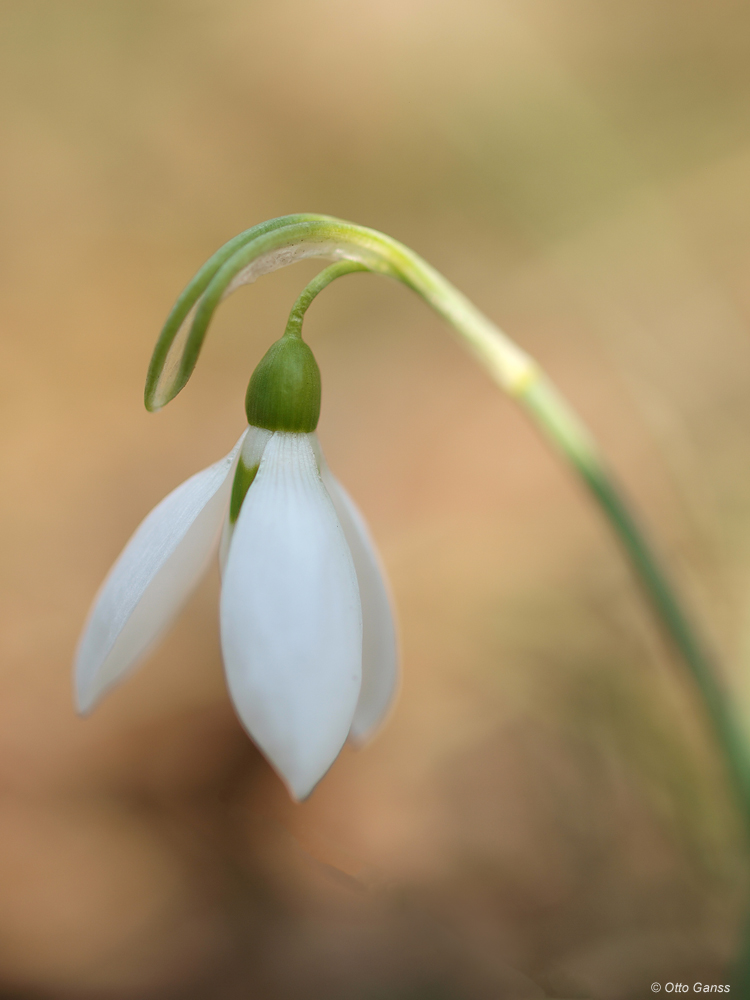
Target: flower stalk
285	240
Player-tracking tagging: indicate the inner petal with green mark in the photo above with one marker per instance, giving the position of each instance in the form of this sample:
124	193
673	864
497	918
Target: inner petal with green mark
247	468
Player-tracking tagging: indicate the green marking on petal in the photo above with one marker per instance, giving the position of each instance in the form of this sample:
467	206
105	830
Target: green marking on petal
243	479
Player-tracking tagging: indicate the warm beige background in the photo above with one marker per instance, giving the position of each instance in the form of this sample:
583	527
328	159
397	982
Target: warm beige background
543	815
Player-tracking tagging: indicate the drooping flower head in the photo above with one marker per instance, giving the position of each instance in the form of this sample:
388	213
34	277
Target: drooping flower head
306	627
307	632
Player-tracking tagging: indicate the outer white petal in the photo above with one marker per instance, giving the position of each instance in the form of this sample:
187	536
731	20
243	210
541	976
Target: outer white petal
151	580
380	673
291	626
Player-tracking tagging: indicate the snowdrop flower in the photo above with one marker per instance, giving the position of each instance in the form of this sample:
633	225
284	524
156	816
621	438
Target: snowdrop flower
307	632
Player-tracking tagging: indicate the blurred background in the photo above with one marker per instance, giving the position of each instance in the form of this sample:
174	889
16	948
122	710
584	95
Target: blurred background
544	814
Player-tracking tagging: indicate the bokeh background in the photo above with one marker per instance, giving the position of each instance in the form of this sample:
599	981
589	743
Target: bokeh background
544	814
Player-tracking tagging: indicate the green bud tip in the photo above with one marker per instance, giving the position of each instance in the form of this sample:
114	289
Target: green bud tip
284	390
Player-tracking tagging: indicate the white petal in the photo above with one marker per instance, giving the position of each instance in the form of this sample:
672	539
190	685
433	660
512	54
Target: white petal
291	626
380	672
153	577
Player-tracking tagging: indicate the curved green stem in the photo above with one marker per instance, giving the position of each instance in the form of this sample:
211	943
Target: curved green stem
291	238
316	286
283	241
562	427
